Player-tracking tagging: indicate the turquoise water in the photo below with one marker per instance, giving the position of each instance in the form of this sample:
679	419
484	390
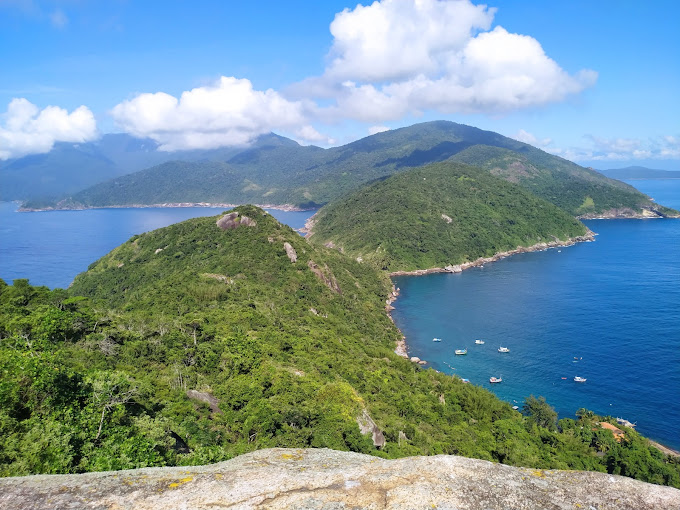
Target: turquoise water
52	247
614	304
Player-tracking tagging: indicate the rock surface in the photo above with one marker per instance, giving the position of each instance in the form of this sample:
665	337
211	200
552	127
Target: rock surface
326	479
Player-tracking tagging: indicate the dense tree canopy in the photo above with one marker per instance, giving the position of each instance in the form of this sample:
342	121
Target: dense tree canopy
194	344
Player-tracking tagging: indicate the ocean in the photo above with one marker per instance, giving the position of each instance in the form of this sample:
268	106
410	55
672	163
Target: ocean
52	247
608	311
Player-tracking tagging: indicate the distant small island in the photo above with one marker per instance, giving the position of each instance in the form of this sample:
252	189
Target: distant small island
640	172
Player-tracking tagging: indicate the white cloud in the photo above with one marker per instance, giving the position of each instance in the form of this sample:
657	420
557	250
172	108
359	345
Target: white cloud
28	130
526	137
394	39
307	134
397	57
230	112
374	130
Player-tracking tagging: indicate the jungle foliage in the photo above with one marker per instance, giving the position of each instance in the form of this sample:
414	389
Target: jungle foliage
439	214
191	344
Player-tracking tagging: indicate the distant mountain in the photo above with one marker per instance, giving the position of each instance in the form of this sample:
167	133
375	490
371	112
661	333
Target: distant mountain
438	215
68	167
640	172
287	173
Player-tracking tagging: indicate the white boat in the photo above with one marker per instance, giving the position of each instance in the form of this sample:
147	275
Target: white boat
479	342
460	352
503	349
465	380
436	339
496	380
516	408
579	379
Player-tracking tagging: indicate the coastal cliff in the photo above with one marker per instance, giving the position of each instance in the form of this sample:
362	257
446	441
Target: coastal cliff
321	478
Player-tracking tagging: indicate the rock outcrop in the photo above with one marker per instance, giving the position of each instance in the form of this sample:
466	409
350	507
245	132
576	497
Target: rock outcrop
232	220
326	479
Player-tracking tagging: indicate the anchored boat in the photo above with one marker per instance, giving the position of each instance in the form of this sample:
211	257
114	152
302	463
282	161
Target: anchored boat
460	352
496	380
503	349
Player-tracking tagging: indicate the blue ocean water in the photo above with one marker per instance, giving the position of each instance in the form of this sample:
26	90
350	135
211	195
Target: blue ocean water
52	247
614	304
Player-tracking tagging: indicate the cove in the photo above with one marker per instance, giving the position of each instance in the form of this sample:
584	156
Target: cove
614	304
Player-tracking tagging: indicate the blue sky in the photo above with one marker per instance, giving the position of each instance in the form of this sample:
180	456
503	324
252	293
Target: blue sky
596	82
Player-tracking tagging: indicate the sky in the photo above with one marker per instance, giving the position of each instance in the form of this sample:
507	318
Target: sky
595	82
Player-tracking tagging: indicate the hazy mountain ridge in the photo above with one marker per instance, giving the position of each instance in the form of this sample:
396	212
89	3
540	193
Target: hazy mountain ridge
69	168
310	176
640	172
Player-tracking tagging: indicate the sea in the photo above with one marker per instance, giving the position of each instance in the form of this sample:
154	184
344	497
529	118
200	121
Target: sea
607	311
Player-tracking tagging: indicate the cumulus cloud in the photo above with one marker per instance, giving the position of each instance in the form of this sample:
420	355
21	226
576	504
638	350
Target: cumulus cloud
307	134
374	130
399	57
229	112
526	137
25	129
394	39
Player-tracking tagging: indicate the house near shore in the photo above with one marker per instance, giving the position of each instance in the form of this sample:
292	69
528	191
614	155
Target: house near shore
618	433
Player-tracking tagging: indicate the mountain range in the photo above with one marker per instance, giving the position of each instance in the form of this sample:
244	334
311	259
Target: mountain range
278	171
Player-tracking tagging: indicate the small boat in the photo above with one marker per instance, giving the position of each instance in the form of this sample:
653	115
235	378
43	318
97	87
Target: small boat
436	339
515	408
564	378
496	380
503	349
579	379
479	342
465	380
460	352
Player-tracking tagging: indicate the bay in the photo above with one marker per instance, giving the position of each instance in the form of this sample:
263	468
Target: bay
51	247
608	311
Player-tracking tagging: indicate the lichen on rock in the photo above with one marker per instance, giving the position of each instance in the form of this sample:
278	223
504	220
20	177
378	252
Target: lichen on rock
319	478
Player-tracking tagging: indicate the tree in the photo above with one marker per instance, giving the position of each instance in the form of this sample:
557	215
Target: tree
540	412
110	390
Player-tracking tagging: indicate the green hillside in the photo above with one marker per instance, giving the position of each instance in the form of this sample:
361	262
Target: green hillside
310	176
218	336
438	215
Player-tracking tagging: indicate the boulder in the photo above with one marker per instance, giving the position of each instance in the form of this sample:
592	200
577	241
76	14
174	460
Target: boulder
324	479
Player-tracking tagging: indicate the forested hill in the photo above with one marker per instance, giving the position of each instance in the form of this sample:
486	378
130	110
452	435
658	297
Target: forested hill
217	336
311	176
71	167
438	215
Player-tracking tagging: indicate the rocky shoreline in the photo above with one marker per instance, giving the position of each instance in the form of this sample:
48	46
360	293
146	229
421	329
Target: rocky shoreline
402	347
283	207
457	268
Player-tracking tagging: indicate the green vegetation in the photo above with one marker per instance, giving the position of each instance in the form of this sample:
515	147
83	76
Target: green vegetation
278	171
194	344
440	214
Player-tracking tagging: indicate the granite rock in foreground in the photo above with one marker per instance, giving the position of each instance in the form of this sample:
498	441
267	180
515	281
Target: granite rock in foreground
326	479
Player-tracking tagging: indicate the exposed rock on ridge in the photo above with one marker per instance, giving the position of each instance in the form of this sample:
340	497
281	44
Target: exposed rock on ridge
288	478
